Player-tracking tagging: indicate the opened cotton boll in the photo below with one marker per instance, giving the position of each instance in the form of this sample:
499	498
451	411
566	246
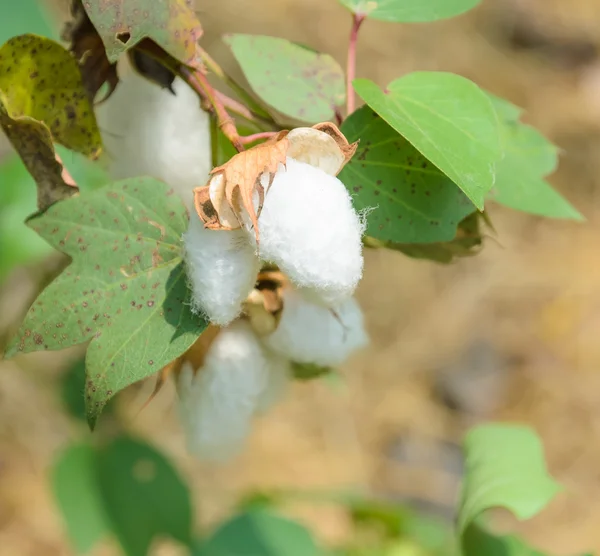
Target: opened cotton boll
309	228
310	333
221	268
217	403
149	131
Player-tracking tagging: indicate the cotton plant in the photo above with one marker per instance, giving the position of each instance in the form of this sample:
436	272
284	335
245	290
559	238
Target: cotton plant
251	212
226	254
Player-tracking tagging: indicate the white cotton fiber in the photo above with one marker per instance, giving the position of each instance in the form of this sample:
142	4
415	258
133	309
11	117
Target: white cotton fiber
310	333
217	404
149	131
278	380
309	228
221	268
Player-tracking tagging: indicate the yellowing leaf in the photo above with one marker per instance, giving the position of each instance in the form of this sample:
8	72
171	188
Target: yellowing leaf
42	101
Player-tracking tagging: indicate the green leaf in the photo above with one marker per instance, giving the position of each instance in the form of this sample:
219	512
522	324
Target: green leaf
78	498
26	16
528	158
412	201
504	468
259	532
477	541
294	80
144	497
448	119
72	386
409	11
309	371
172	24
125	290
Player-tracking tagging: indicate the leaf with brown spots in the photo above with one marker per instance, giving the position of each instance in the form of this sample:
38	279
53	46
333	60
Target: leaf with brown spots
42	101
232	186
171	24
296	81
125	289
412	201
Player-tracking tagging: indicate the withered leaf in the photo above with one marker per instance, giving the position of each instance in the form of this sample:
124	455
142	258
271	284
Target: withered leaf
87	47
42	101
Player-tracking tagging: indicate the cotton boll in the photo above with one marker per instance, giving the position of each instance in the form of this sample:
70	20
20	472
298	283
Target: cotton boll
309	228
149	131
311	333
278	380
217	408
221	268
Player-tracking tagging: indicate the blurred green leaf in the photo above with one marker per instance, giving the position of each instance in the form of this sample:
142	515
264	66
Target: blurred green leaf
411	200
78	498
309	371
294	80
144	497
18	243
528	158
477	541
409	11
26	16
505	468
450	120
259	532
125	289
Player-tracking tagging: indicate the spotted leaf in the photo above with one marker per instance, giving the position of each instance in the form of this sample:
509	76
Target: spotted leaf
125	290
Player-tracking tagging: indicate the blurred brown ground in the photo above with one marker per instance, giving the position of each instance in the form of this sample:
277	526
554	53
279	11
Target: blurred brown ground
511	334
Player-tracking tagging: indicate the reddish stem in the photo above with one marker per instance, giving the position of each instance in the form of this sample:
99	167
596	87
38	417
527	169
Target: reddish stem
357	20
257	137
200	83
234	106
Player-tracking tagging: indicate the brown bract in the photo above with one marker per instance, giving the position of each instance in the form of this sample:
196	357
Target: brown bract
246	177
263	306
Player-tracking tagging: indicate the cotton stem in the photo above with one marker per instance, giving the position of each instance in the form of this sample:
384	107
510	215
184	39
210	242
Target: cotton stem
357	20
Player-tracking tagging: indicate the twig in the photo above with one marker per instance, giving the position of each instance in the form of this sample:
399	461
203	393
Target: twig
257	137
198	81
213	66
357	20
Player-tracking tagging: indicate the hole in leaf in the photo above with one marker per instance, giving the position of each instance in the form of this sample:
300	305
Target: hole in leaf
123	37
